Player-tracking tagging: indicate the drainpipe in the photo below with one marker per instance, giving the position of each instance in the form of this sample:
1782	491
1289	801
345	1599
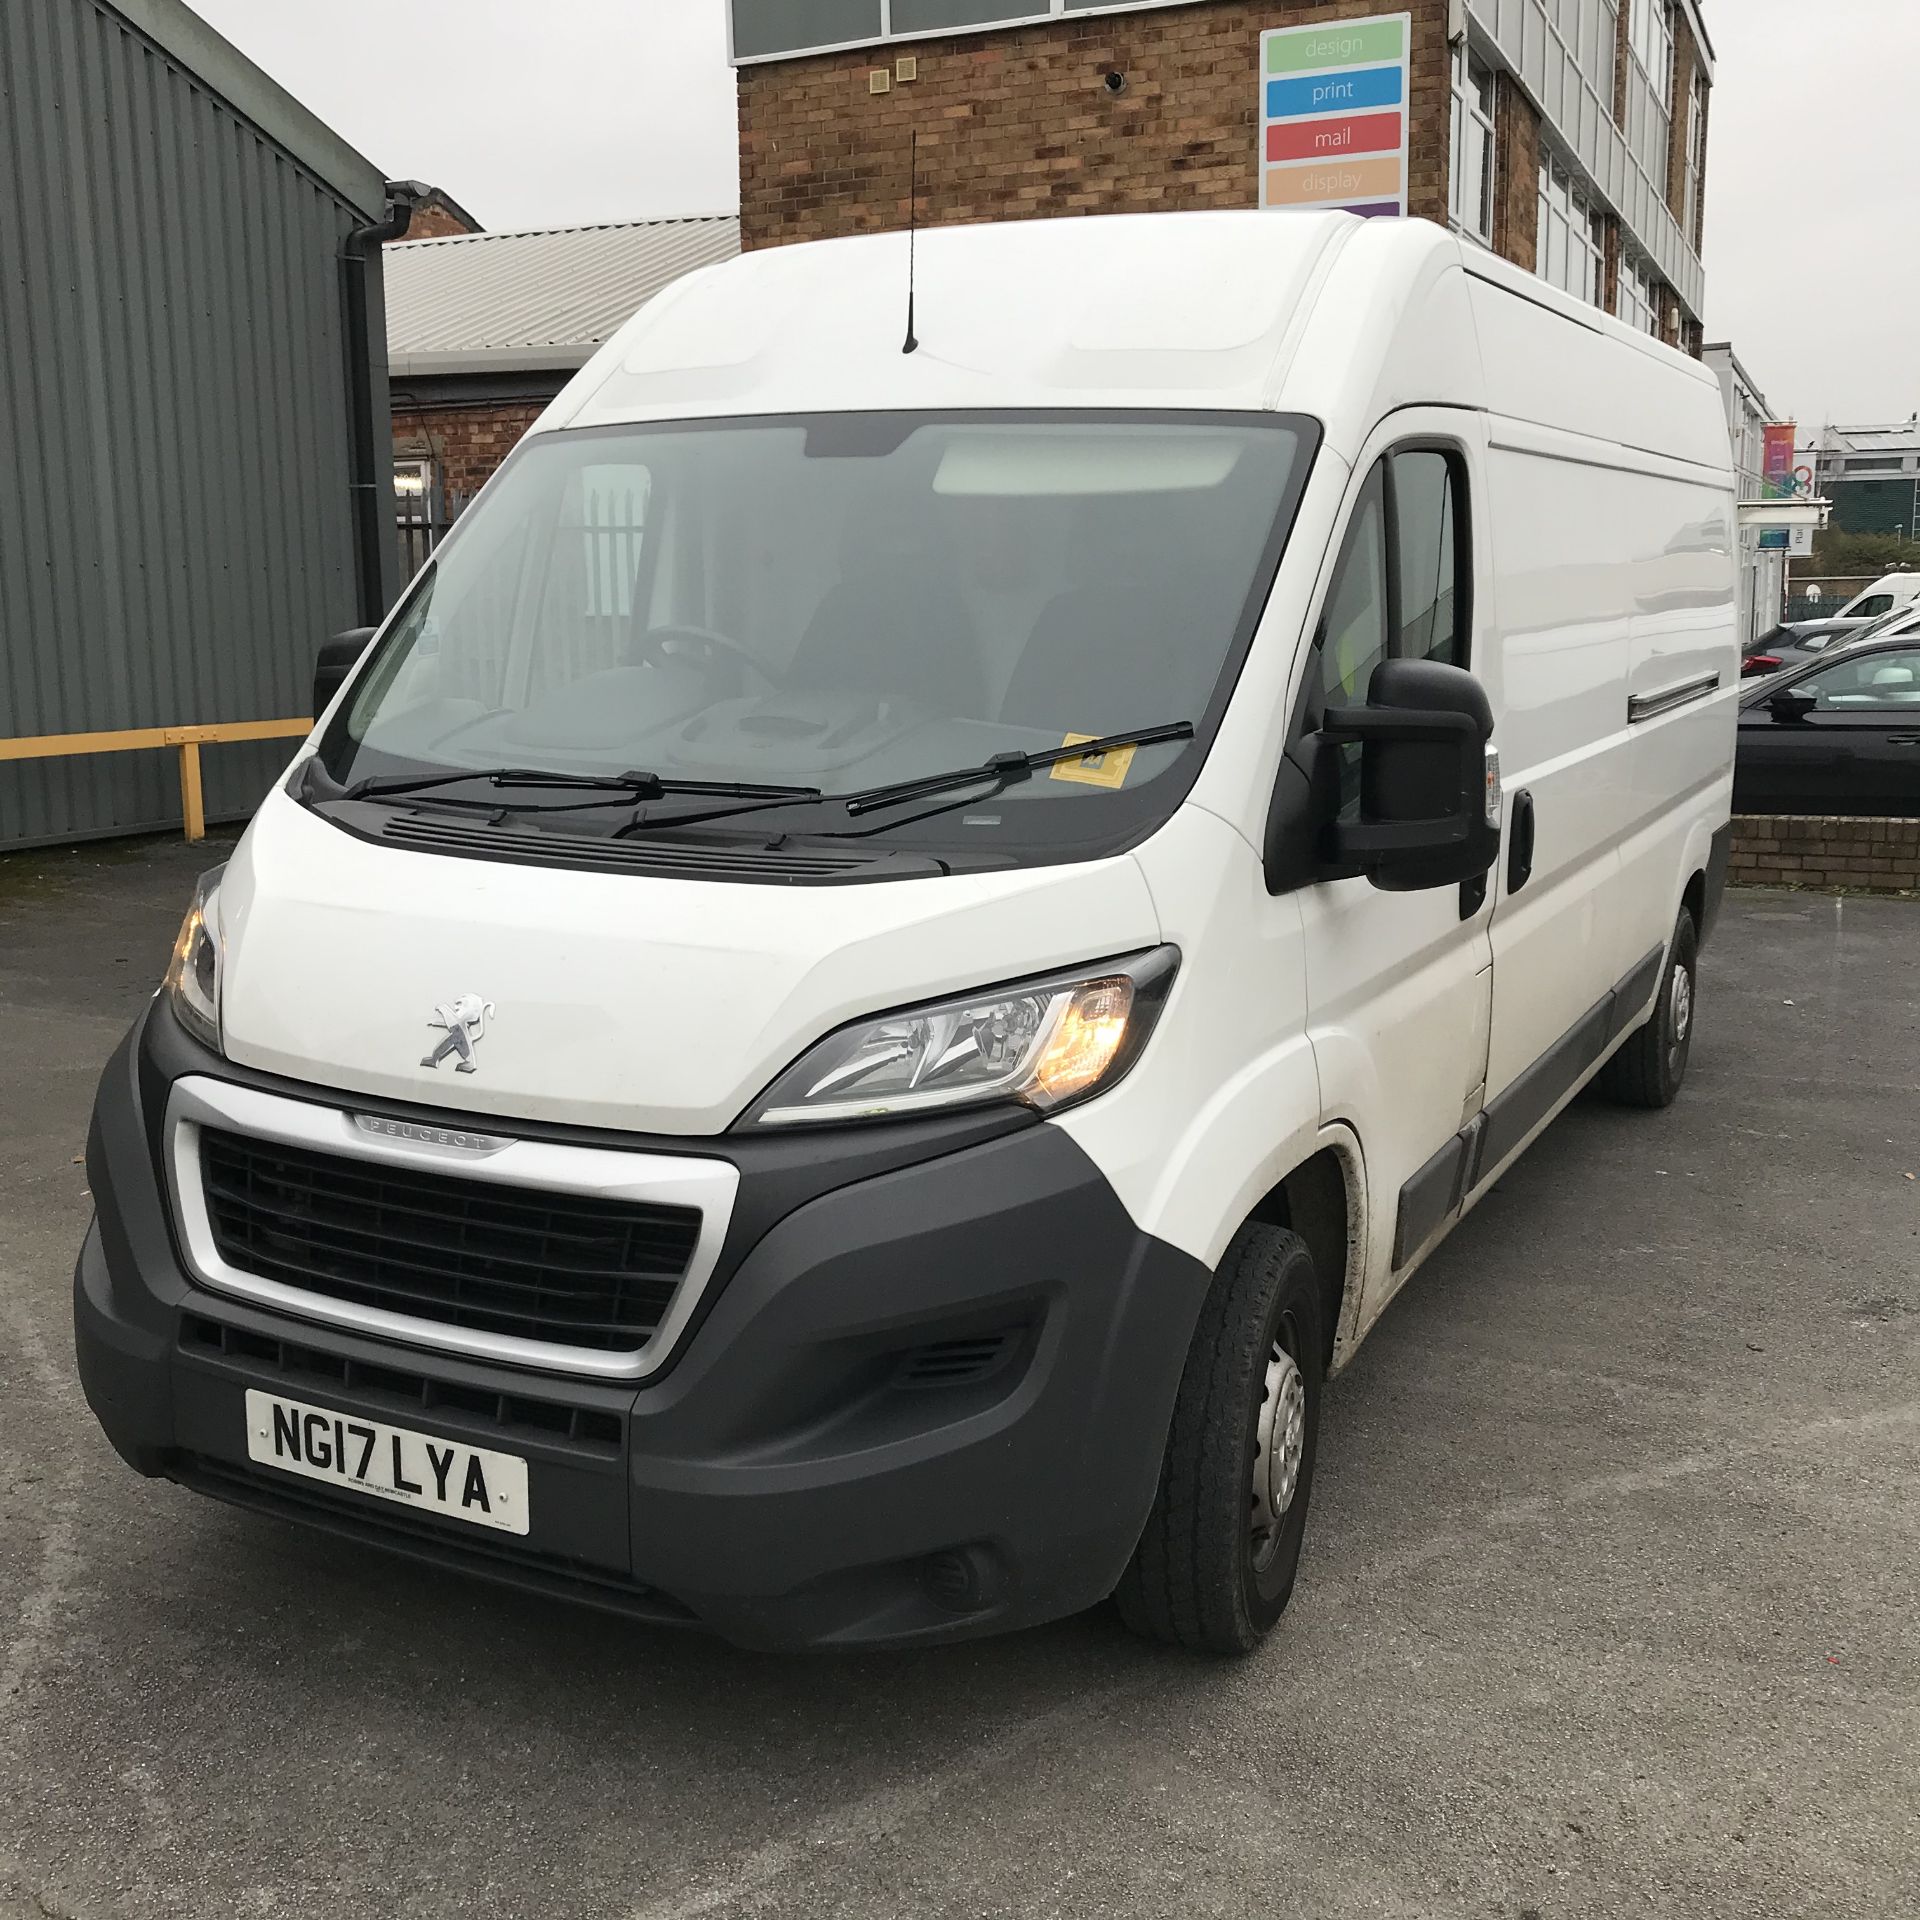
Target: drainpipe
371	531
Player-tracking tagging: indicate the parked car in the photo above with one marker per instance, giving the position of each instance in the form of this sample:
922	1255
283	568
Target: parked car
1792	645
1840	735
1813	639
848	1074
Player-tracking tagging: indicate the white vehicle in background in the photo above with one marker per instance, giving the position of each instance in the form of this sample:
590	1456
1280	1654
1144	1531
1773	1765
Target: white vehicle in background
1887	594
844	1065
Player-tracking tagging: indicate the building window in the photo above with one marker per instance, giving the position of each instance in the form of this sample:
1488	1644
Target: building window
1695	203
1651	29
1600	47
1590	29
1650	88
1638	303
1571	244
1470	189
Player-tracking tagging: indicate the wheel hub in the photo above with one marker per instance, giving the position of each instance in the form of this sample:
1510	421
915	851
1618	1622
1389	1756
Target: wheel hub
1682	1006
1280	1444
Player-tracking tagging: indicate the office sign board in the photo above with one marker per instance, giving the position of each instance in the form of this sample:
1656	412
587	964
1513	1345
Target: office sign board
1776	466
1333	114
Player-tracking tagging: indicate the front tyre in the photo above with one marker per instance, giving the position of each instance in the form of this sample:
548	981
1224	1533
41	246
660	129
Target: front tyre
1649	1067
1215	1567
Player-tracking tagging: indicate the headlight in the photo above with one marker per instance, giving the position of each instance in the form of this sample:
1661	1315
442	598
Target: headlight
193	974
1042	1042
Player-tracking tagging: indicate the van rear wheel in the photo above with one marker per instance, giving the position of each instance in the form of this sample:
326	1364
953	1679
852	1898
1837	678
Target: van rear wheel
1648	1069
1215	1567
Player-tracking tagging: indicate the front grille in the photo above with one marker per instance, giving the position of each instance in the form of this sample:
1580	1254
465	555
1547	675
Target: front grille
402	1391
522	1262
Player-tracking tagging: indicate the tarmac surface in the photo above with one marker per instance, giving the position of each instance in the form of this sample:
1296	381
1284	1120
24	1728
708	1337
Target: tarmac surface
1608	1607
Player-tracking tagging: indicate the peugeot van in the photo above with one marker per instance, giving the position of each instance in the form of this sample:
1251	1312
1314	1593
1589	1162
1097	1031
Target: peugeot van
905	937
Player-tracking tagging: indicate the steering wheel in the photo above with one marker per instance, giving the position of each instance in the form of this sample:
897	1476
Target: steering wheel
705	649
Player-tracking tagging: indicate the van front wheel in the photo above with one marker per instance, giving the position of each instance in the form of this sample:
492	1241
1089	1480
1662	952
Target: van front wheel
1648	1069
1215	1567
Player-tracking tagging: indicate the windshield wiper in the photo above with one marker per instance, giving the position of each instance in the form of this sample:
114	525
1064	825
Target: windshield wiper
997	774
1007	769
619	786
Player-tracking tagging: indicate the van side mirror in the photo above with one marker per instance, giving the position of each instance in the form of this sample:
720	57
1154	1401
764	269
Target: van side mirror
1429	811
336	659
1790	704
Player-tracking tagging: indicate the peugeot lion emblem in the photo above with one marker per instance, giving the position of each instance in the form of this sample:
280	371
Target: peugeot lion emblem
463	1025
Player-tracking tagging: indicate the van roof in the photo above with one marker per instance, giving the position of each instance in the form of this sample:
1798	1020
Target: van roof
1171	309
1321	313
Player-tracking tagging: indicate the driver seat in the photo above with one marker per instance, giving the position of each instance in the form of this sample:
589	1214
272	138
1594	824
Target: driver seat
895	622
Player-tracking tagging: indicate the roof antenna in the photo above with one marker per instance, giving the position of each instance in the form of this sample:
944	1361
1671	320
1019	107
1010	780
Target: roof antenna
913	222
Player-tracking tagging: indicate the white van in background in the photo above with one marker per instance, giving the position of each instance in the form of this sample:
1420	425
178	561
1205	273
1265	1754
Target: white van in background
1890	591
894	953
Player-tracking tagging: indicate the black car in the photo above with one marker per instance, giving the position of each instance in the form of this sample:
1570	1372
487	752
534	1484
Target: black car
1840	735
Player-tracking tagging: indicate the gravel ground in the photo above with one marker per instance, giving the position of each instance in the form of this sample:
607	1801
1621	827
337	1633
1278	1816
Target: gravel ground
1608	1605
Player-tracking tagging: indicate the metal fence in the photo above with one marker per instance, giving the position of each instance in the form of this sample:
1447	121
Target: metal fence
1819	598
422	527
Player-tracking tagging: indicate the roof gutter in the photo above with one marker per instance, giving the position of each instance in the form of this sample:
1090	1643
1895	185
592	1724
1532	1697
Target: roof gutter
369	491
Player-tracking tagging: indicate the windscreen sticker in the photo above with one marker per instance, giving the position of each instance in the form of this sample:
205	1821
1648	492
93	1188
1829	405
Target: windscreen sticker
1099	769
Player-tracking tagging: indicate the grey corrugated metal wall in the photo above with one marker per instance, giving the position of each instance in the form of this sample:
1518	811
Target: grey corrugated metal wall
176	530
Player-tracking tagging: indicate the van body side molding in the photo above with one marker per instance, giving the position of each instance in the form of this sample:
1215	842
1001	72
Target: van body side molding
1443	1183
1650	706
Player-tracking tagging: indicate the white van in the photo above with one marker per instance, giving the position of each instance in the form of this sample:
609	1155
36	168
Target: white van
1890	592
893	954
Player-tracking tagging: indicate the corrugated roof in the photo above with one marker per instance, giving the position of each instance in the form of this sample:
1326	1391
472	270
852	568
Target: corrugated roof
490	302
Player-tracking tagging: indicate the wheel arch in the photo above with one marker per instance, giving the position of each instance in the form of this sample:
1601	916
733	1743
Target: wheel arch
1323	1200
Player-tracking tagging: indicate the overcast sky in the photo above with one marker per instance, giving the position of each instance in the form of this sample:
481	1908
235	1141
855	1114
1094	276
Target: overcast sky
552	112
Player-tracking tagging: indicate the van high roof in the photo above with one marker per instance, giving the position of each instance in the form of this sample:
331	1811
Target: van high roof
1300	312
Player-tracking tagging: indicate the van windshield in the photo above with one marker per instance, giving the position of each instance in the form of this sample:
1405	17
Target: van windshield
840	602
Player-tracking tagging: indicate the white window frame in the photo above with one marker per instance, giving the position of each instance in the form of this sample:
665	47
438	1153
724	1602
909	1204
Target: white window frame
1470	173
1650	88
1570	238
1016	13
1637	300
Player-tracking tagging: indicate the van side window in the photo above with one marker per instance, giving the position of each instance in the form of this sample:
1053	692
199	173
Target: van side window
1354	627
1426	520
1871	607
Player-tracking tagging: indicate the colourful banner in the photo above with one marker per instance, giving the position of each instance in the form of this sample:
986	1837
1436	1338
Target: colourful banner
1333	119
1776	466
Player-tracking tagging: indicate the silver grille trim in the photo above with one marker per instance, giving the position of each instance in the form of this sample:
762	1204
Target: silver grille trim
600	1172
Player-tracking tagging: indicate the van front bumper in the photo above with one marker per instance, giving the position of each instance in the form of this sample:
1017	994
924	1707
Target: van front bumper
926	1403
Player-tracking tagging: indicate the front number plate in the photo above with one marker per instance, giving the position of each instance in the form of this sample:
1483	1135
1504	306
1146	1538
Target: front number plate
474	1484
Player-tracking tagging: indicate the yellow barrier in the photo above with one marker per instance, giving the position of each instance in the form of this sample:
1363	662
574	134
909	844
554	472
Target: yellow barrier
187	740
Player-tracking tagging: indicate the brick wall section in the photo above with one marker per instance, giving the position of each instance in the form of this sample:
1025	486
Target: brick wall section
435	220
1686	55
1793	850
1018	122
1516	192
468	442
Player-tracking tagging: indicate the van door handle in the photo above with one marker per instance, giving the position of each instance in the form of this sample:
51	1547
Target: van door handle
1520	848
1903	739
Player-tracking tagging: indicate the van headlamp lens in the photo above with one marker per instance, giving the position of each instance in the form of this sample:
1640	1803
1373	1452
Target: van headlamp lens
1045	1043
192	984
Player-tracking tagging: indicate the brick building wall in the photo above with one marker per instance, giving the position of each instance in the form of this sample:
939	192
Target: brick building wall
1020	121
466	441
1516	181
